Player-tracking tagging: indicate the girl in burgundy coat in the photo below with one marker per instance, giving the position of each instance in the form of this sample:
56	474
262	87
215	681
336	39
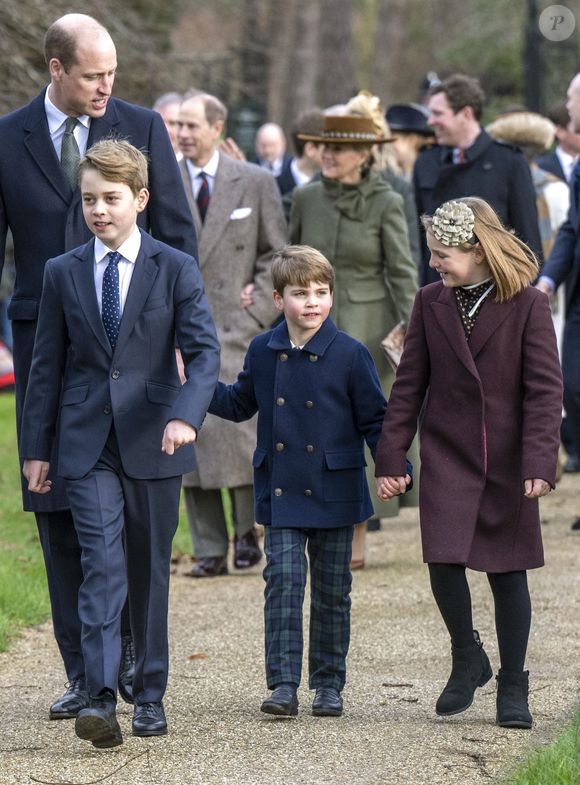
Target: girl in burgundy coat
481	366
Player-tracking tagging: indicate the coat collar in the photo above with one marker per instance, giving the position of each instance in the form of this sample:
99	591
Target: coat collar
491	315
144	274
472	153
318	344
38	143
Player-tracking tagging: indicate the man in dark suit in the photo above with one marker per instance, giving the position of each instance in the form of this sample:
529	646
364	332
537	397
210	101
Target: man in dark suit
41	203
560	162
468	162
564	265
110	315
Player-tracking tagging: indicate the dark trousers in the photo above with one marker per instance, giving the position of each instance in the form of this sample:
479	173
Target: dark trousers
329	554
125	529
571	374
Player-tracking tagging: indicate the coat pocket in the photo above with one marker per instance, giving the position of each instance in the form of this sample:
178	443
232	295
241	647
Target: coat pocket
261	477
161	393
366	293
73	395
343	476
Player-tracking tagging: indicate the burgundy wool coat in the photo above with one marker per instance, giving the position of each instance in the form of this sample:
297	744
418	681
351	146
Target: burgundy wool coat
491	419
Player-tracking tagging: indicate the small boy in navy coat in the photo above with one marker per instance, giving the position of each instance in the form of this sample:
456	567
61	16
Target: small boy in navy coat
318	400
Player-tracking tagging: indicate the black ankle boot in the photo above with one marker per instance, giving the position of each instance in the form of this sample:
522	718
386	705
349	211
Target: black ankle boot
512	699
471	669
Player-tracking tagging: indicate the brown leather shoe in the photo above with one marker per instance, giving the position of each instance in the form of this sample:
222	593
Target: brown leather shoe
209	567
246	550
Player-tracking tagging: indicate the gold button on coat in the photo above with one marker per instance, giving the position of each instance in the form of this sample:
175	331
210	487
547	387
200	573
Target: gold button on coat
279	446
283	357
313	358
278	492
308	492
280	401
309	404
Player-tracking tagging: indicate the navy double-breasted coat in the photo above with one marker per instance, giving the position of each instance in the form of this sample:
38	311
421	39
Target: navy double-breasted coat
491	419
316	408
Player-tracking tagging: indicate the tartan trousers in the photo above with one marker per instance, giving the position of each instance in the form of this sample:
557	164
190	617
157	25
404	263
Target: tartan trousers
329	554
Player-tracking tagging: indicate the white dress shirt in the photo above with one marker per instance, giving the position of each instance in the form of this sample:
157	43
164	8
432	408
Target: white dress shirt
129	251
567	162
57	119
210	170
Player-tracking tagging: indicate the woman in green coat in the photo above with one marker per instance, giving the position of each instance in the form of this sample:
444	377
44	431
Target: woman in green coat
357	221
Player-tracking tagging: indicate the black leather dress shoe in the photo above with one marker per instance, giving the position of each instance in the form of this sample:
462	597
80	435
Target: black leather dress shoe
572	464
75	698
283	702
209	567
127	668
576	525
98	723
327	702
246	550
149	720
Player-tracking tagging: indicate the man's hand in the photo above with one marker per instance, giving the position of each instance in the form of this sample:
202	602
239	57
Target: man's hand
36	473
387	487
533	489
545	287
229	147
176	434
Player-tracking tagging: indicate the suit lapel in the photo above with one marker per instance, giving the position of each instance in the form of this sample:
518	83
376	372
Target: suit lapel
228	189
143	278
84	281
39	144
446	314
491	315
185	176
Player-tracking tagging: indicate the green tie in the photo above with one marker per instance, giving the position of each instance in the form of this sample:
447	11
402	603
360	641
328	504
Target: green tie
69	153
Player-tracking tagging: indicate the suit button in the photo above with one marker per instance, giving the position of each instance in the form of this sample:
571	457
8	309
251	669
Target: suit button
278	492
308	492
313	358
107	410
280	401
283	357
309	404
309	448
280	446
115	374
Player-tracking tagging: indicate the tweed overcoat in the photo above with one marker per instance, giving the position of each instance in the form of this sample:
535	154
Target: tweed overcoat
317	407
243	226
491	418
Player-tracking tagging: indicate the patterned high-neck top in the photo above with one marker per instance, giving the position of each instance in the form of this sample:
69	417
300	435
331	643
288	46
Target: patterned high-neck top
469	301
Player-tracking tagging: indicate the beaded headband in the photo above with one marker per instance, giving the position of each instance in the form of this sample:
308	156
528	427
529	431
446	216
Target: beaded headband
453	224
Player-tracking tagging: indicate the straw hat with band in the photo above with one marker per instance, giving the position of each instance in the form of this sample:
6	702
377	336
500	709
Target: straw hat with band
347	129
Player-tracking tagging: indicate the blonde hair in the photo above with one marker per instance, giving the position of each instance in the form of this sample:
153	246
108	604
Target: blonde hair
512	264
365	104
118	162
299	265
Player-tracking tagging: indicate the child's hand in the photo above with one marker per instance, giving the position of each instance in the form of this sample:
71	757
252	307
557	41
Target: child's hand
247	295
533	489
387	487
176	434
36	472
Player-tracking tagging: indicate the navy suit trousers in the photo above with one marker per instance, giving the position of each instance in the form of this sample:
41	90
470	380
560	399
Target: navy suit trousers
125	529
329	554
571	373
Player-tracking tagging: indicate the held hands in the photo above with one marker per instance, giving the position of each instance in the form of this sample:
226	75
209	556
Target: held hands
176	434
36	473
247	295
387	487
533	489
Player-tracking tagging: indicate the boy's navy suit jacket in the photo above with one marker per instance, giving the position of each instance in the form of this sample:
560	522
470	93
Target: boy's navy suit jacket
316	407
137	385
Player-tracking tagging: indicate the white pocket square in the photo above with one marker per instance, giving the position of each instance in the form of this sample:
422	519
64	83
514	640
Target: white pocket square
240	212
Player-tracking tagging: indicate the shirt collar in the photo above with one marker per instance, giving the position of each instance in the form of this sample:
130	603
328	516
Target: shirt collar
129	250
56	118
210	168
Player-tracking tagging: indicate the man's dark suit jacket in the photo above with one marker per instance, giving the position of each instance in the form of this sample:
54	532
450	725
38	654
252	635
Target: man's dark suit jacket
564	261
551	163
136	386
45	216
494	171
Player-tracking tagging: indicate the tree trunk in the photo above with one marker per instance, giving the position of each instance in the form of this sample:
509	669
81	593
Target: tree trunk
337	82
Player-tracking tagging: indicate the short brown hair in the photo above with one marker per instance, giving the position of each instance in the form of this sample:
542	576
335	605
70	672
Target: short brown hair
118	162
60	41
214	109
461	91
299	265
512	264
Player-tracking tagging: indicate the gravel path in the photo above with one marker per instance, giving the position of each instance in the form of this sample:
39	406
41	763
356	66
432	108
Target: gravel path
398	663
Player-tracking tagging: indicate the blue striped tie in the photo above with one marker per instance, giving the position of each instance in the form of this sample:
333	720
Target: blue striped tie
110	303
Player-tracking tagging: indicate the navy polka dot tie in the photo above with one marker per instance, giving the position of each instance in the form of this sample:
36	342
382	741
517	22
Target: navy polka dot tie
110	304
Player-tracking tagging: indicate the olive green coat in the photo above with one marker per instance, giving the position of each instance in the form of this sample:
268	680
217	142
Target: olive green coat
362	231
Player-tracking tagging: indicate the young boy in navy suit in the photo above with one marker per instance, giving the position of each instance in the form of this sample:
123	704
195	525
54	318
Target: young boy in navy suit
318	400
110	314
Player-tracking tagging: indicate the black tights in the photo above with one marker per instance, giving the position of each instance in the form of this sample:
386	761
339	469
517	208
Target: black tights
513	610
